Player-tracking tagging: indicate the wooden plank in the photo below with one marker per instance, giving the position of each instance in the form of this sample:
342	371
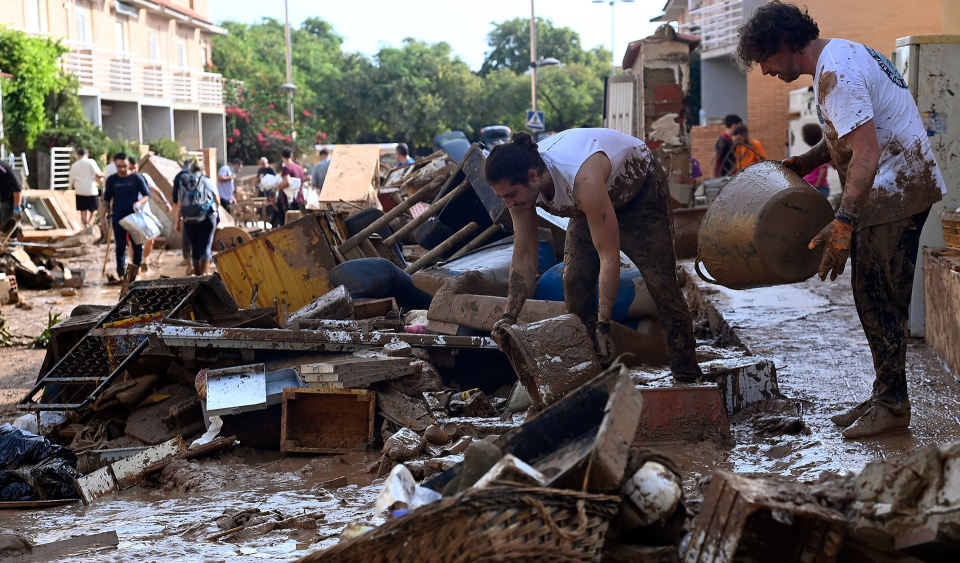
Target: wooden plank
96	484
346	364
353	176
48	549
127	471
213	446
28	504
941	293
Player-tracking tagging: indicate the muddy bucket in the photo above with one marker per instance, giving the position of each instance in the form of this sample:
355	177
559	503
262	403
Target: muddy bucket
551	357
756	232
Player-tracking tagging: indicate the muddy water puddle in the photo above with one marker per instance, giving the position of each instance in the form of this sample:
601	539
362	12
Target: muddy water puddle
155	525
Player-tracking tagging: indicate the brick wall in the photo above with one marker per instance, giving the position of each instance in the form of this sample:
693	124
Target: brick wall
876	23
702	142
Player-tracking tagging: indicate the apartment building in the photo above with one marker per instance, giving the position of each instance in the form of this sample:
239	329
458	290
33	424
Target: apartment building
765	102
141	64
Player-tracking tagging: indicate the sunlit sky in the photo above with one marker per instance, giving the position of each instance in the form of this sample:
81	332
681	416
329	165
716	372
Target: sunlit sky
367	25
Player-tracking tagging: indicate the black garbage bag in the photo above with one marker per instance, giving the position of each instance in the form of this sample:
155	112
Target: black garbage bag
53	478
21	448
12	487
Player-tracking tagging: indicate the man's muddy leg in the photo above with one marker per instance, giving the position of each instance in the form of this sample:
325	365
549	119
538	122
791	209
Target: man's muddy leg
581	270
646	237
884	258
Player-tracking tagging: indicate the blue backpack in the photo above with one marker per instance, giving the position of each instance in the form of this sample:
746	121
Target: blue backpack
196	203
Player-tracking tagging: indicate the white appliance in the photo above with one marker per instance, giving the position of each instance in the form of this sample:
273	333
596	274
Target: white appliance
931	66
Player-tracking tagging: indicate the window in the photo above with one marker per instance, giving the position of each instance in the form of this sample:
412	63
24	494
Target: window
84	23
203	54
152	45
181	52
36	15
120	28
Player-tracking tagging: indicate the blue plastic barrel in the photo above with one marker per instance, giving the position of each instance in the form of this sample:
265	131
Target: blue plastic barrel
550	288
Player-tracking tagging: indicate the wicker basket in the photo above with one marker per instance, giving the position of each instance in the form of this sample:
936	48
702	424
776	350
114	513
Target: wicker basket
951	228
486	525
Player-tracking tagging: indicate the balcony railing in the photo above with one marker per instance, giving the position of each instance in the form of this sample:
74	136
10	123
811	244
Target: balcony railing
715	22
117	71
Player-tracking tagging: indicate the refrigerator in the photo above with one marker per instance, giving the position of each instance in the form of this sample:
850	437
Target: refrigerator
931	66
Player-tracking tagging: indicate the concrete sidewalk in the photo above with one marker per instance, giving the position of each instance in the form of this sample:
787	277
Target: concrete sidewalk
813	333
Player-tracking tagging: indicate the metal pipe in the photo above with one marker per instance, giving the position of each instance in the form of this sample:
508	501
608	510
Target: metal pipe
433	255
358	238
533	58
430	212
477	241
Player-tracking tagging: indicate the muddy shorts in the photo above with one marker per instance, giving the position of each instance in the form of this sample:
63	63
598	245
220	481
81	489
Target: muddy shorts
646	237
883	259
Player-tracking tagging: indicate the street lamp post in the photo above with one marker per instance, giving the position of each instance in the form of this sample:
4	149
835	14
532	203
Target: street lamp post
613	55
289	87
534	63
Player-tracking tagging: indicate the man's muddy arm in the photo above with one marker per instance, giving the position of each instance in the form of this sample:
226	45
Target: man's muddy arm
523	267
863	166
807	162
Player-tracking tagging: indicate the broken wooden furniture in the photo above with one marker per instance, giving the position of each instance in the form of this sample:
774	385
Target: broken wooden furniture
97	359
319	421
941	295
347	372
744	518
352	178
48	215
580	442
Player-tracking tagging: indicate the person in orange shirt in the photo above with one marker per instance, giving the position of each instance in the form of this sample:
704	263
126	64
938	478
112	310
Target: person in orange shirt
747	150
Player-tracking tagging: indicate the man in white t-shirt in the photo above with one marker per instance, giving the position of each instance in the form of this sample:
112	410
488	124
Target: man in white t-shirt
875	136
84	180
615	193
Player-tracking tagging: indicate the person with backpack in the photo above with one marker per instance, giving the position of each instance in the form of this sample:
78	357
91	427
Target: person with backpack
195	204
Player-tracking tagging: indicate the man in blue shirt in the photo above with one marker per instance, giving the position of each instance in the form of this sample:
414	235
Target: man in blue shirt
403	155
126	193
319	172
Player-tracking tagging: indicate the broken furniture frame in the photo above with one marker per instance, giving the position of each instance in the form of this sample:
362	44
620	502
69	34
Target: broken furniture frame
321	421
85	371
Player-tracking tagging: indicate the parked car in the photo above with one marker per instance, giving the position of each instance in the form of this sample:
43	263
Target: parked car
454	142
494	135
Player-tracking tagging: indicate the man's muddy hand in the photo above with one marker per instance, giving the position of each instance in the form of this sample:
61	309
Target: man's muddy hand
498	333
836	239
799	165
605	347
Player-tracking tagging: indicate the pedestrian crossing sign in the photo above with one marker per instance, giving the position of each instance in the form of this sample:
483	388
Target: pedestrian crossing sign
535	120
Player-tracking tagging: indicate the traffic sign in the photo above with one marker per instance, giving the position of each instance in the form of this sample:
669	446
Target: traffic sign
535	120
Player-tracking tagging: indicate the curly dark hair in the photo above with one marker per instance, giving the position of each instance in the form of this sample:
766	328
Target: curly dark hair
772	26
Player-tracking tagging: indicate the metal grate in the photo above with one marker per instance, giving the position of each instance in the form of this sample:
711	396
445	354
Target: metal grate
87	370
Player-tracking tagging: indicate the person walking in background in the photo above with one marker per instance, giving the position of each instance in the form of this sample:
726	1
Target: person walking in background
290	170
10	192
84	180
109	170
403	155
319	172
723	162
154	191
812	134
126	192
746	151
226	183
195	205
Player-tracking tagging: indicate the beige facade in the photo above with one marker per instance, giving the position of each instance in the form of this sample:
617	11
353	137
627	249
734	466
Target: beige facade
141	64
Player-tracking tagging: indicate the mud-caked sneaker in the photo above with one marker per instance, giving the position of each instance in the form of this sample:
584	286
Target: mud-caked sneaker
851	416
878	419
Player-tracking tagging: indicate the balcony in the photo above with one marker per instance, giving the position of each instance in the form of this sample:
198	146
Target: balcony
716	23
117	71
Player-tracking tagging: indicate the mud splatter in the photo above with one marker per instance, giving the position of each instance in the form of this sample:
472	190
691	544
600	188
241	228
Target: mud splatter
825	85
630	180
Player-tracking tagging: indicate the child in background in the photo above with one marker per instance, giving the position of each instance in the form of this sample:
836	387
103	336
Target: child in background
812	134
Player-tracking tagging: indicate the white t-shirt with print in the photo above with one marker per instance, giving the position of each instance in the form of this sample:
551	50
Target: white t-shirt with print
855	84
83	177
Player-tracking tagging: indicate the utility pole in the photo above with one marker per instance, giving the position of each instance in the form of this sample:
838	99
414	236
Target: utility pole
613	54
289	87
533	58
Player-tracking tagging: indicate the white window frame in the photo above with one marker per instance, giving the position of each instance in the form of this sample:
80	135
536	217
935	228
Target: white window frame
84	28
35	16
121	31
183	58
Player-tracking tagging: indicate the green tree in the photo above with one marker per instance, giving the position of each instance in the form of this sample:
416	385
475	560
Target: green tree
509	44
34	64
571	96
